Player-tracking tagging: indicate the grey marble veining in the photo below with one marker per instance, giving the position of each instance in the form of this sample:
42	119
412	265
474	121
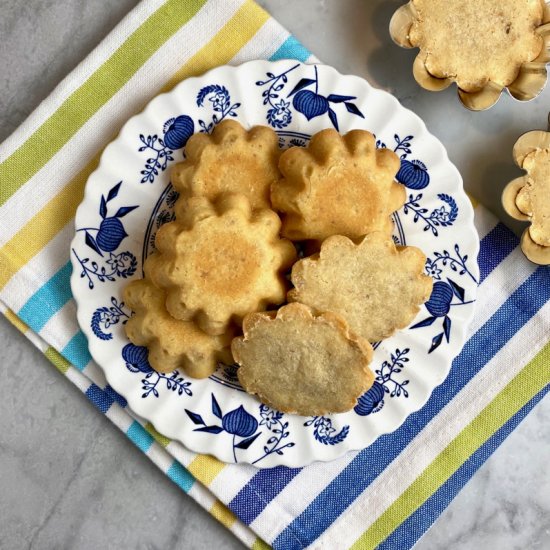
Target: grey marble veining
68	478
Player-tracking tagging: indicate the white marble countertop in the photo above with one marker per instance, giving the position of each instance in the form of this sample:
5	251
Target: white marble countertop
69	478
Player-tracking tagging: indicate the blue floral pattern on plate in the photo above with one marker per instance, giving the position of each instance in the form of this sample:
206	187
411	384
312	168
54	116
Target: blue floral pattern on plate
125	205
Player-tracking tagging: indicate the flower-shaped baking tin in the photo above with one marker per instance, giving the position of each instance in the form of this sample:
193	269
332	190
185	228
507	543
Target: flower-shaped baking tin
530	81
528	143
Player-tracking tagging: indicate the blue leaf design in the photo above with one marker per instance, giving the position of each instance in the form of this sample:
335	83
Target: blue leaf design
425	323
195	418
447	328
114	191
335	98
90	241
354	110
333	118
239	422
436	342
121	212
245	443
457	290
303	83
210	429
216	408
103	207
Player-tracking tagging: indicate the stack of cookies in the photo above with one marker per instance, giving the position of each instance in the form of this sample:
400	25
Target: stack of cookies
224	267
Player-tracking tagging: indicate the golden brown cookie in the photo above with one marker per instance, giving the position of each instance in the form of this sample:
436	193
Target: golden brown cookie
473	42
231	160
172	344
338	185
299	362
218	262
376	287
534	197
528	198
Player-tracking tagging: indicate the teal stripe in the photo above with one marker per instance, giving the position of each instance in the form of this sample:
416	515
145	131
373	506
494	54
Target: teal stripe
47	300
76	351
141	438
291	49
180	476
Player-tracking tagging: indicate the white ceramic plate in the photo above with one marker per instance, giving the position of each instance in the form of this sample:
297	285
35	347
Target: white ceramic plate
129	196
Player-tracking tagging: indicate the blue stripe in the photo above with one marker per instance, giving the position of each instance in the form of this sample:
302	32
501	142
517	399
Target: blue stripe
408	533
522	305
267	483
141	438
291	49
76	351
494	248
99	398
115	396
47	300
180	476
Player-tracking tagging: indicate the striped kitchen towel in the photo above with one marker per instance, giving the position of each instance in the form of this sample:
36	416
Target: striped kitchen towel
386	496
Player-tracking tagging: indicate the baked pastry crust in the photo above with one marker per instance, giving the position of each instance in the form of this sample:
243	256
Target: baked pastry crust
376	287
338	185
218	262
474	42
528	198
172	344
300	362
231	160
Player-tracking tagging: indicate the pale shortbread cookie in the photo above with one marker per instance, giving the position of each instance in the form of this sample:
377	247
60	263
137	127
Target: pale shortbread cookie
218	262
376	287
534	198
231	160
172	344
473	42
338	185
299	362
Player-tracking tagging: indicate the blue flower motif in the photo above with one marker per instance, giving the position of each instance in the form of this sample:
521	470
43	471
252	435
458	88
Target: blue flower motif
433	271
279	116
239	422
441	215
177	131
269	416
136	358
371	401
413	174
439	303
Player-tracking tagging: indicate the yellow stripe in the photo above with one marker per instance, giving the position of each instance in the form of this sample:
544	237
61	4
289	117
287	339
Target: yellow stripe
223	514
44	226
60	363
158	437
15	321
100	87
231	38
259	544
530	381
58	212
205	468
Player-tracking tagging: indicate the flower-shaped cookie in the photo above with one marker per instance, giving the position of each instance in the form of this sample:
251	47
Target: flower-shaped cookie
338	185
231	160
220	261
528	197
482	45
300	362
376	287
172	344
